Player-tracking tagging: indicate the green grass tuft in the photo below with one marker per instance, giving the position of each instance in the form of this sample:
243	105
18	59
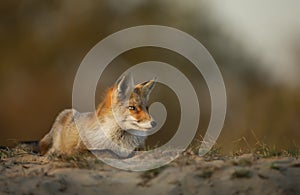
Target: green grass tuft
242	173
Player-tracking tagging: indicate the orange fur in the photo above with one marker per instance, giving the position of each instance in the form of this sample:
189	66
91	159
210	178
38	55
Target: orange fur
105	106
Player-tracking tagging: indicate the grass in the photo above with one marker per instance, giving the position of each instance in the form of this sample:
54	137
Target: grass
275	166
213	154
293	151
6	153
78	159
206	173
243	162
18	150
242	173
241	146
266	151
262	149
149	175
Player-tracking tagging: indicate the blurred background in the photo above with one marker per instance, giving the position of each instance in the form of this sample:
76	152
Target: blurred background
256	45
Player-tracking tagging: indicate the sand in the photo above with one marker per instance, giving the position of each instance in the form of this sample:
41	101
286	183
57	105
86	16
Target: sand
24	172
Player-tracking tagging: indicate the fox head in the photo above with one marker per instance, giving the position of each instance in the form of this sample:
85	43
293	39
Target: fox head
130	104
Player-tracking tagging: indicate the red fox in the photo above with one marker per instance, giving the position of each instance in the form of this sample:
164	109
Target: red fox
101	129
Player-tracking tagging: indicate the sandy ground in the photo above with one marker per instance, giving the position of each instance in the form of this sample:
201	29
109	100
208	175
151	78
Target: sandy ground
27	173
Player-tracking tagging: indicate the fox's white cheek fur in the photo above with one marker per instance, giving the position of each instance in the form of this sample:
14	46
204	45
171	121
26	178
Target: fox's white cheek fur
145	125
130	122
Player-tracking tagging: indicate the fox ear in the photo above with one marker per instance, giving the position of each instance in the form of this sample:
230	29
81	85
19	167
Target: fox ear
124	86
148	86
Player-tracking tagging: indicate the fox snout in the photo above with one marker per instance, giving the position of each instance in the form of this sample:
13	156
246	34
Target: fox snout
153	124
146	124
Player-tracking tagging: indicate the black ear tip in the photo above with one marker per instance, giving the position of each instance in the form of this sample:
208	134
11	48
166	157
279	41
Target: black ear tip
153	81
125	77
120	79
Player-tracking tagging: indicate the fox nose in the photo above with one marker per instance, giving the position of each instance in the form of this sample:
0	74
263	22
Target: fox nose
153	123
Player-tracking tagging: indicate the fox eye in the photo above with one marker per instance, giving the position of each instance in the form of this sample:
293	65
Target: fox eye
132	108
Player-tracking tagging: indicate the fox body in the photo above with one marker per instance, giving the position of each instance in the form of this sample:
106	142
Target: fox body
123	111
